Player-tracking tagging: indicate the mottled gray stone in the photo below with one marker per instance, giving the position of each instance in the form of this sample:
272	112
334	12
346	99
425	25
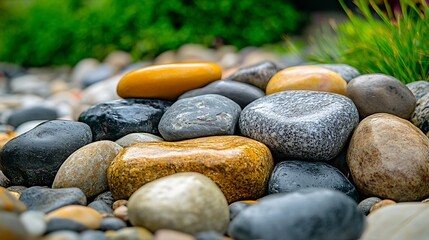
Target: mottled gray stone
258	75
106	197
292	175
347	72
241	93
132	138
206	115
419	88
366	204
302	125
320	214
101	207
420	116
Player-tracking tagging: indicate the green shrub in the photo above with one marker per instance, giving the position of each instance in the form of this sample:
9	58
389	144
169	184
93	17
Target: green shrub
396	45
45	32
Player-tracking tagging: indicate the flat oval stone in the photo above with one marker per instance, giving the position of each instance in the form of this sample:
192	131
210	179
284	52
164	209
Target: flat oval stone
258	74
9	203
239	92
80	214
167	81
11	227
240	166
420	116
115	119
389	158
347	72
307	78
380	93
90	163
33	158
419	88
200	116
22	115
290	176
329	214
186	202
132	138
303	125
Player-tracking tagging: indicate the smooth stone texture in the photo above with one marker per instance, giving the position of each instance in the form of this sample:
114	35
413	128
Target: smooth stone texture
307	78
419	88
90	163
100	92
399	221
121	212
47	200
303	125
9	203
382	203
33	158
132	138
420	116
347	72
101	207
258	74
100	73
115	119
389	158
240	166
186	202
29	84
132	233
239	92
80	214
93	235
366	204
200	116
22	115
34	223
11	227
63	224
27	126
236	208
62	235
290	176
167	81
118	59
112	223
167	234
82	69
106	197
211	235
380	93
329	214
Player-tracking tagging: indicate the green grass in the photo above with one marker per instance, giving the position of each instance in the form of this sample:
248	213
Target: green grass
380	41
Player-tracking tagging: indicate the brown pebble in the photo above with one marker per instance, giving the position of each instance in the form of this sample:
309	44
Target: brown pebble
118	203
121	212
382	203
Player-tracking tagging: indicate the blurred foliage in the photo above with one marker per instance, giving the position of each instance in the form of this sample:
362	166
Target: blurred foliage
46	32
381	40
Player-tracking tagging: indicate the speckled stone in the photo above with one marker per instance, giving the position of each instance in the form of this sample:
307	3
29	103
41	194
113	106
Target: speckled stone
366	204
382	203
241	93
419	88
329	214
115	119
380	93
90	163
240	166
389	158
347	72
186	202
200	116
292	175
420	116
11	227
302	125
132	138
257	75
9	203
106	197
399	221
80	214
131	233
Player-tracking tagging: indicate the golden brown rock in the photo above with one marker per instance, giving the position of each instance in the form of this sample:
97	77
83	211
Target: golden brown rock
83	215
239	166
383	203
9	203
388	157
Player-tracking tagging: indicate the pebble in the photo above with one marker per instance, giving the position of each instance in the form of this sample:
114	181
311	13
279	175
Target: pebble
347	72
62	235
106	197
380	93
101	207
115	119
22	115
47	200
186	202
166	234
121	212
4	181
304	125
399	221
29	84
17	189
82	69
312	78
11	228
379	147
63	224
101	92
292	175
33	158
366	204
80	214
34	223
132	138
420	116
131	233
200	116
100	73
112	223
93	235
118	203
419	88
167	81
382	203
9	203
241	93
258	74
329	214
90	163
240	166
236	208
118	59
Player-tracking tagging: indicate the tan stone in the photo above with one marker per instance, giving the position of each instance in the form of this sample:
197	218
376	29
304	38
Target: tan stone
166	234
118	203
388	157
121	212
239	166
383	203
83	215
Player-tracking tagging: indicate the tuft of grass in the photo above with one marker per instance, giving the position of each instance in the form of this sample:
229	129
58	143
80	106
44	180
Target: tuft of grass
380	40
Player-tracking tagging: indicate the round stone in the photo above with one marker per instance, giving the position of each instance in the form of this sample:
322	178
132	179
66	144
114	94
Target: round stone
101	207
132	138
304	125
419	88
80	214
366	204
186	202
389	158
380	93
64	224
258	74
200	116
347	72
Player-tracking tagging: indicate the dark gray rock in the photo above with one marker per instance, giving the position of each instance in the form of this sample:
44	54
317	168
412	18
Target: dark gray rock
22	115
93	235
106	197
320	214
419	88
290	176
206	115
33	158
60	224
99	74
112	223
347	72
241	93
4	181
366	204
302	125
47	199
258	75
115	119
101	207
420	116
